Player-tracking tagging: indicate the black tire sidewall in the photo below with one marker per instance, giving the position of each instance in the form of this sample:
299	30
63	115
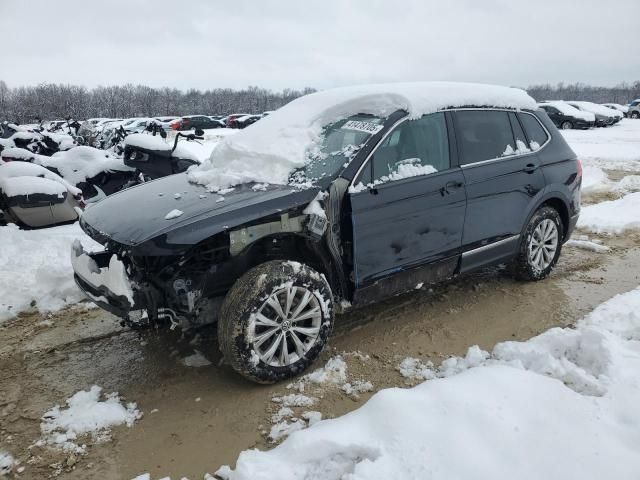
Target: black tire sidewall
247	296
524	269
562	125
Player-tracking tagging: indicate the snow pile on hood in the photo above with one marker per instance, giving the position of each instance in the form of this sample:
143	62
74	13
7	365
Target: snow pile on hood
81	163
15	153
562	405
613	216
599	109
570	110
269	150
85	415
35	270
11	170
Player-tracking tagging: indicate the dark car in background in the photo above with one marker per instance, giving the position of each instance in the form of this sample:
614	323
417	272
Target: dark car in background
565	116
397	202
191	122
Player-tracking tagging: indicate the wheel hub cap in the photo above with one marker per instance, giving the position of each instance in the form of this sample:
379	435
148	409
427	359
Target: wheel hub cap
286	326
543	244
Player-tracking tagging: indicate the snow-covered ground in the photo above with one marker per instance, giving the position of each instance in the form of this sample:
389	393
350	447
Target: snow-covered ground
615	148
35	269
565	404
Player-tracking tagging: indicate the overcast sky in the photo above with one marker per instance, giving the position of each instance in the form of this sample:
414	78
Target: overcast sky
298	43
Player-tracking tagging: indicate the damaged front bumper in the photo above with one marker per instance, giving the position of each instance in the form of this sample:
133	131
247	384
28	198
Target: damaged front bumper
103	278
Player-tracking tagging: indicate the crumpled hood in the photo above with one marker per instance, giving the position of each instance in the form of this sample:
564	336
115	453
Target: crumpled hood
136	217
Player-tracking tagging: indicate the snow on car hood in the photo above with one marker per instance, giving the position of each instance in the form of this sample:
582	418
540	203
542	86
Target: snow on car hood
157	143
598	109
12	170
269	150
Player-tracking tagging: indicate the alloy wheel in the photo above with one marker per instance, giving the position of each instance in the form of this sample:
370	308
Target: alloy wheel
543	244
286	326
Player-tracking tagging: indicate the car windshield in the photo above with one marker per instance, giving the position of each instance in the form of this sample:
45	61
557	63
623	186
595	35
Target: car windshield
340	142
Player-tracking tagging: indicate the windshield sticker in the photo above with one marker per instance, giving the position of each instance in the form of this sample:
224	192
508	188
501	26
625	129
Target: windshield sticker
366	127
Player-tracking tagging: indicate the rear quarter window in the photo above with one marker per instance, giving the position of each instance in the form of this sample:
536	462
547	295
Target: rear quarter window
536	133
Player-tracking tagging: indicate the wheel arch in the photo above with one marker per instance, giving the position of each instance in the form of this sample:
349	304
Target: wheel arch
555	201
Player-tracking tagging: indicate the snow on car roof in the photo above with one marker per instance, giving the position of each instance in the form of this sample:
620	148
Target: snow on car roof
569	110
18	186
80	163
11	170
278	144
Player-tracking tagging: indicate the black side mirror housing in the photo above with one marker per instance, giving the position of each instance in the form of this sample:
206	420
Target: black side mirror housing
199	132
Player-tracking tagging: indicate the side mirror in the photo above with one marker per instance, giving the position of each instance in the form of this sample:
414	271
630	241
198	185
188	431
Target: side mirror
199	132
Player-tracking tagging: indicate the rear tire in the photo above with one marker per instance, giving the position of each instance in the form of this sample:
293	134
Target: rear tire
635	115
566	125
275	321
540	245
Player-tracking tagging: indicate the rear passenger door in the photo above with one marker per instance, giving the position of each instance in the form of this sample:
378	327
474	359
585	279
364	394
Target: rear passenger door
503	177
412	212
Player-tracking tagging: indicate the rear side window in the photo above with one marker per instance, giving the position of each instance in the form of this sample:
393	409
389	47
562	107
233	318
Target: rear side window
537	135
518	133
484	135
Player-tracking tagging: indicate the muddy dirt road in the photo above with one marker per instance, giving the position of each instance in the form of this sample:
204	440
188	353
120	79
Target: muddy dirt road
198	418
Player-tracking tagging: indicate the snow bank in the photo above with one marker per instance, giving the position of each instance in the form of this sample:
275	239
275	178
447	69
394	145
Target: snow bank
80	163
272	148
35	271
614	216
85	415
594	179
565	404
570	110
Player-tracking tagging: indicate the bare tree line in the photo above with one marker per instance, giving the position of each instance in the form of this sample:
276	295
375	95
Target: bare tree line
622	93
55	101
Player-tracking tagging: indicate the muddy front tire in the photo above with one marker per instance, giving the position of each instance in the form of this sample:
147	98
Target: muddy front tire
275	321
540	246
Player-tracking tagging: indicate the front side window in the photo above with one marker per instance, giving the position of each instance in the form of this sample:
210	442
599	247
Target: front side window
415	147
484	135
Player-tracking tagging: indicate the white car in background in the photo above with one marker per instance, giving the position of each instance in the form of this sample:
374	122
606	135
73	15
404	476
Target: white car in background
624	109
604	116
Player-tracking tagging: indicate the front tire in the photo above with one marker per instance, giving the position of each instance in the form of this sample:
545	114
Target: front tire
635	115
566	125
275	321
540	246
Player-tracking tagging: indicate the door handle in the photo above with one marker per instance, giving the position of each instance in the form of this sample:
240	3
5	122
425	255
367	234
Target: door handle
530	168
453	185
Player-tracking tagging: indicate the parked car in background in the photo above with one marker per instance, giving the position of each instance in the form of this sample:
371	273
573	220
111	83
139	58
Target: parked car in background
624	109
243	122
272	264
565	116
190	122
138	125
604	116
231	120
634	109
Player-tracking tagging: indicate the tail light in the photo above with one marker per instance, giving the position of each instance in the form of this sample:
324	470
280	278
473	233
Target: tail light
80	201
579	167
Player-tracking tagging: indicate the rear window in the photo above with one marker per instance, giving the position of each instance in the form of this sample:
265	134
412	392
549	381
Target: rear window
537	135
484	135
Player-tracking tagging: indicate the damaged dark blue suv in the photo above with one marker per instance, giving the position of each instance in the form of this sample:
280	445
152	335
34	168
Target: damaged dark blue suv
404	184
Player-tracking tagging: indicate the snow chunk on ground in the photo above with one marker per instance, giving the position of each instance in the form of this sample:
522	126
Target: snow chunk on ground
414	369
614	216
587	245
85	415
175	213
357	387
505	411
35	271
272	148
7	463
197	359
294	400
335	371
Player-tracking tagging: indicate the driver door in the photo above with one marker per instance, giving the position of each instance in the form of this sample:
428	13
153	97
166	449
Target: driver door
408	222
